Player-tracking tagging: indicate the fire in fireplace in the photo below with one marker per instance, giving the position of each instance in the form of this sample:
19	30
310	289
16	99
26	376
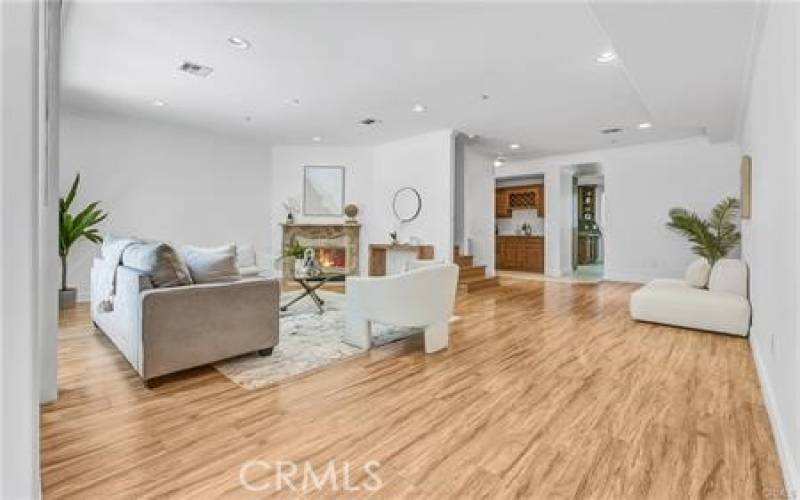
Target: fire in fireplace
331	257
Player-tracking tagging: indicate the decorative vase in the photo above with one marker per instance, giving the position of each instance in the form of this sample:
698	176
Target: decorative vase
299	267
67	298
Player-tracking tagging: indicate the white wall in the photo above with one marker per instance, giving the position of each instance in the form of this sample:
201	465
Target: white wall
479	207
426	163
19	373
163	181
287	182
770	238
641	184
372	176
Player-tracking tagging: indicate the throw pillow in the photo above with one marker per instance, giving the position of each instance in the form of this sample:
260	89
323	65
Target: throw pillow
245	256
697	273
209	265
160	261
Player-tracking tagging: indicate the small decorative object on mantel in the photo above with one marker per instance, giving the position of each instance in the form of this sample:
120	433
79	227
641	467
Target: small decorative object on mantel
393	237
290	205
351	211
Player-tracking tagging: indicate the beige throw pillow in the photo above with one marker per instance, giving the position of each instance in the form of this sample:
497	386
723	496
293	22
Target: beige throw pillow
697	273
209	265
160	261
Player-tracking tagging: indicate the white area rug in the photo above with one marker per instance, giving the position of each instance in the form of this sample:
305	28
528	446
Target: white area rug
308	340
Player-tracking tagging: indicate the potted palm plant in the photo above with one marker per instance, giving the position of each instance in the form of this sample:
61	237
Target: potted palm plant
712	238
71	228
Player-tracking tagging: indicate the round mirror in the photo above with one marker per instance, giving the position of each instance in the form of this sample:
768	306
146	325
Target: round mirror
407	204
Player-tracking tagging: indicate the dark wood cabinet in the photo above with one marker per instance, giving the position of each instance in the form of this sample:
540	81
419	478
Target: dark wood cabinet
519	197
520	253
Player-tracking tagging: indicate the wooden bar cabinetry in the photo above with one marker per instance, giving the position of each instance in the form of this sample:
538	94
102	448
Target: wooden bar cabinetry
520	253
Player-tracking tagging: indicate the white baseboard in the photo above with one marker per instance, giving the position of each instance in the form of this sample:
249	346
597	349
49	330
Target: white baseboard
785	455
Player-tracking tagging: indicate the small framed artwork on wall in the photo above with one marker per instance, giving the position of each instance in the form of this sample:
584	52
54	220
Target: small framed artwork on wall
746	175
323	190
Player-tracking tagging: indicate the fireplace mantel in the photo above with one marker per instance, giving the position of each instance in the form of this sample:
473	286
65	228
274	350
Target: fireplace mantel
346	236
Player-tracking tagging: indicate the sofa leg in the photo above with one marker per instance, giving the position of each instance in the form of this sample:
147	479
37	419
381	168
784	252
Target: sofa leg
265	352
437	337
358	332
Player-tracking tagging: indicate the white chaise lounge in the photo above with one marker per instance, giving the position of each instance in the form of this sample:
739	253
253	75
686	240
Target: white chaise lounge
423	297
723	307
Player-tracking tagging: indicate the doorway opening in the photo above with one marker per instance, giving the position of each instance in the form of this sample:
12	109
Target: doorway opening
588	237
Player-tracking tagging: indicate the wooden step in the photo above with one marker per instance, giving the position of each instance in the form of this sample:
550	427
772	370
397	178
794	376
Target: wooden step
478	283
463	261
471	272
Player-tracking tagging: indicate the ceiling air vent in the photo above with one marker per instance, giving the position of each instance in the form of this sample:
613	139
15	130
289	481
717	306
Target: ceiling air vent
369	121
195	69
612	130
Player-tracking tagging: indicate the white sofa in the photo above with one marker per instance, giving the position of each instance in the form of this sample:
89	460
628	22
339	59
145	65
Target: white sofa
723	307
420	298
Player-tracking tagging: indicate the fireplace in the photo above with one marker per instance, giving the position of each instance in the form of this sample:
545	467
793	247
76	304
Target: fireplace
331	258
335	245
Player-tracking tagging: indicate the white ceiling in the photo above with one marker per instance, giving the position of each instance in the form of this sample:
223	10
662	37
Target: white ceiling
682	67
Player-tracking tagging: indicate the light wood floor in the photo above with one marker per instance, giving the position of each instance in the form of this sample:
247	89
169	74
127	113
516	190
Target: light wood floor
547	390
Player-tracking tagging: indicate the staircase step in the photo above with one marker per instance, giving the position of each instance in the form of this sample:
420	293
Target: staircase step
471	272
463	261
478	283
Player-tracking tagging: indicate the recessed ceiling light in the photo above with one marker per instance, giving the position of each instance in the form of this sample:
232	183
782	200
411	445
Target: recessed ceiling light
159	102
239	42
514	146
645	125
607	56
316	138
419	108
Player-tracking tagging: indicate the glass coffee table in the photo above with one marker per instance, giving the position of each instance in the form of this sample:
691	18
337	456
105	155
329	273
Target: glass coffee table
310	286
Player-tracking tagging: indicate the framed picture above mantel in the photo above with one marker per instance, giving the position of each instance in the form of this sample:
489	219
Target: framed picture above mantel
323	190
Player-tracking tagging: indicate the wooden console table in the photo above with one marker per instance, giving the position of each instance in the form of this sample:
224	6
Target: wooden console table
377	255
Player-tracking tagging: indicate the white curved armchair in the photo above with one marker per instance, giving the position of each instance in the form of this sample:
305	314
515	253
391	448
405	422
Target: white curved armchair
420	298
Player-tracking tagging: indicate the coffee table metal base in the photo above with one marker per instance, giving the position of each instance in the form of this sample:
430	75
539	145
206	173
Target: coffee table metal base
310	287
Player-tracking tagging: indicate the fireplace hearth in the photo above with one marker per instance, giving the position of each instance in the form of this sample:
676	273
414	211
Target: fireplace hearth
335	245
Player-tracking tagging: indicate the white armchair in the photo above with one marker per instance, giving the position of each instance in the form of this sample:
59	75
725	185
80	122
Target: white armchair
420	298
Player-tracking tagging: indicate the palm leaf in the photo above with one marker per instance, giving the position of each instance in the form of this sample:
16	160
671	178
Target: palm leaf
73	190
713	238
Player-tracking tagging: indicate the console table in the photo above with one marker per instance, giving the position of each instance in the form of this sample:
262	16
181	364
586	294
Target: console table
378	253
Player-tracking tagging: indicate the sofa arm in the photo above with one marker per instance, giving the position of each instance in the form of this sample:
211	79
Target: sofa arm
189	326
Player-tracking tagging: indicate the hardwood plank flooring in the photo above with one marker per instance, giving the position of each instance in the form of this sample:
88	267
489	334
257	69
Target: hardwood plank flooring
548	390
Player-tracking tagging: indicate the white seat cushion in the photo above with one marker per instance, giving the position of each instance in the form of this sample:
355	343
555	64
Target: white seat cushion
697	273
730	276
673	302
251	271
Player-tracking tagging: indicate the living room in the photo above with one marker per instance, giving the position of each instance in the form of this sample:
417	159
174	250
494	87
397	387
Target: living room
277	267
